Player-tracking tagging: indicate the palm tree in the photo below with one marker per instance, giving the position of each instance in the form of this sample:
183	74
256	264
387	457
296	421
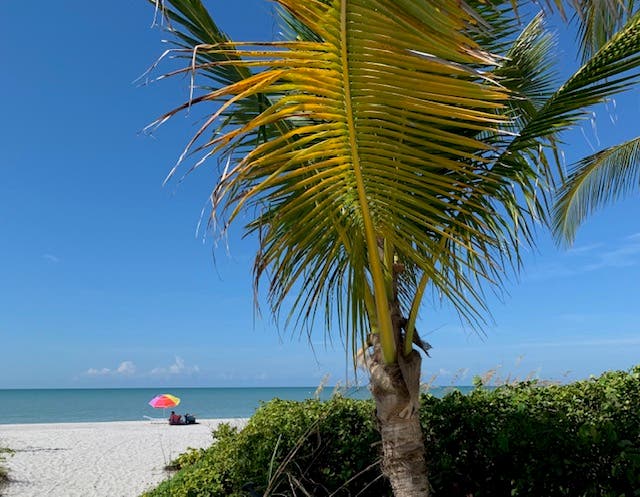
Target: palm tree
382	151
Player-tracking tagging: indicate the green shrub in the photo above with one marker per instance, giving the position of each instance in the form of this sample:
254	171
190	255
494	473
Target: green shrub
581	439
311	445
526	439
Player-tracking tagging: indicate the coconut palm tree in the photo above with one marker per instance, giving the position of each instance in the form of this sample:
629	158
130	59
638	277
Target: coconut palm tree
383	151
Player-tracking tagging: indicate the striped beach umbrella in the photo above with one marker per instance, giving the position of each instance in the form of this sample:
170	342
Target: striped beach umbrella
164	401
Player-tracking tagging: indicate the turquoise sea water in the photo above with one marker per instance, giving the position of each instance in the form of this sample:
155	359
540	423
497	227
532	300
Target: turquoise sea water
131	404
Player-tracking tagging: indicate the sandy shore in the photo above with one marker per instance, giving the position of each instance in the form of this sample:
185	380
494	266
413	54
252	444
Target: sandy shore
119	459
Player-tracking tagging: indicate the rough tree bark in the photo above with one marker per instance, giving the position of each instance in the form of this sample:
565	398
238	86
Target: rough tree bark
395	389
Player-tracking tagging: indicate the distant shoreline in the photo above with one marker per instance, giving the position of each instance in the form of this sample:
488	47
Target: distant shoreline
325	387
36	406
21	406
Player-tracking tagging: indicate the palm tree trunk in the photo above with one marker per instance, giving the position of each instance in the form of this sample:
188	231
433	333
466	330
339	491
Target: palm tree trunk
396	389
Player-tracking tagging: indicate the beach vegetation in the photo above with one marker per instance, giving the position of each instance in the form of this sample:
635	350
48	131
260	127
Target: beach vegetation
308	446
384	154
520	439
4	472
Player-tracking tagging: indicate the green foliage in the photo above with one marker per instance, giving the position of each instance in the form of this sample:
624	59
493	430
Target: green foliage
581	439
524	439
4	452
311	445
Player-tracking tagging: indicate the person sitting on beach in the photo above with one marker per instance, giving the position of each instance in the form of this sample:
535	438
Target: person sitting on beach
189	419
175	419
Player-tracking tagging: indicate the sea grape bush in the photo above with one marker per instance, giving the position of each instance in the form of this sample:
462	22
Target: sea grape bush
581	439
524	439
286	447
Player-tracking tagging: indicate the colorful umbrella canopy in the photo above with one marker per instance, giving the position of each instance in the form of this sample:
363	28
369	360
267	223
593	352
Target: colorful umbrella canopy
163	401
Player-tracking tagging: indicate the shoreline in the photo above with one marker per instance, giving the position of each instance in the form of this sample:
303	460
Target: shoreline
97	459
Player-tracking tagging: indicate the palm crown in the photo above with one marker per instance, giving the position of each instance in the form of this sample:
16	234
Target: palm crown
387	148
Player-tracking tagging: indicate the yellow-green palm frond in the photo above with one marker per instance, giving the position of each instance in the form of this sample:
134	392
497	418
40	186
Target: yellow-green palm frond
375	145
593	182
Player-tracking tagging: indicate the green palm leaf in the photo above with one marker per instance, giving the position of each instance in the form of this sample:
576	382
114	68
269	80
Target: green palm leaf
602	76
527	71
595	181
192	26
613	69
599	20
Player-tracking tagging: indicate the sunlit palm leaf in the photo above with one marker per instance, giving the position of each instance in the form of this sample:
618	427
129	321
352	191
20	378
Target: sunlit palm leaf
613	69
193	27
595	181
378	114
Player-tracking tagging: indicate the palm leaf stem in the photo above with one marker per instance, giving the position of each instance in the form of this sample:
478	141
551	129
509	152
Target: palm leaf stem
383	314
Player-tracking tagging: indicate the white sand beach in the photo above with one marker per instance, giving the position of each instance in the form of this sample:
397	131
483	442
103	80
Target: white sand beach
118	459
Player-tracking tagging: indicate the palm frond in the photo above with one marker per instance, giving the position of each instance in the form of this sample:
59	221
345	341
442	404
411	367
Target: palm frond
374	147
192	26
293	28
613	69
499	27
610	71
594	182
193	30
598	21
528	71
382	132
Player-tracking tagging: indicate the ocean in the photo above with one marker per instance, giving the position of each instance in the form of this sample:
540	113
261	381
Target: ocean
131	404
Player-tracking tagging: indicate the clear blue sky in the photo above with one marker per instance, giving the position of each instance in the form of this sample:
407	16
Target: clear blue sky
103	281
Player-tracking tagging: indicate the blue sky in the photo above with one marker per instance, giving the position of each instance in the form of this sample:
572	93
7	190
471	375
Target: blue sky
103	281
